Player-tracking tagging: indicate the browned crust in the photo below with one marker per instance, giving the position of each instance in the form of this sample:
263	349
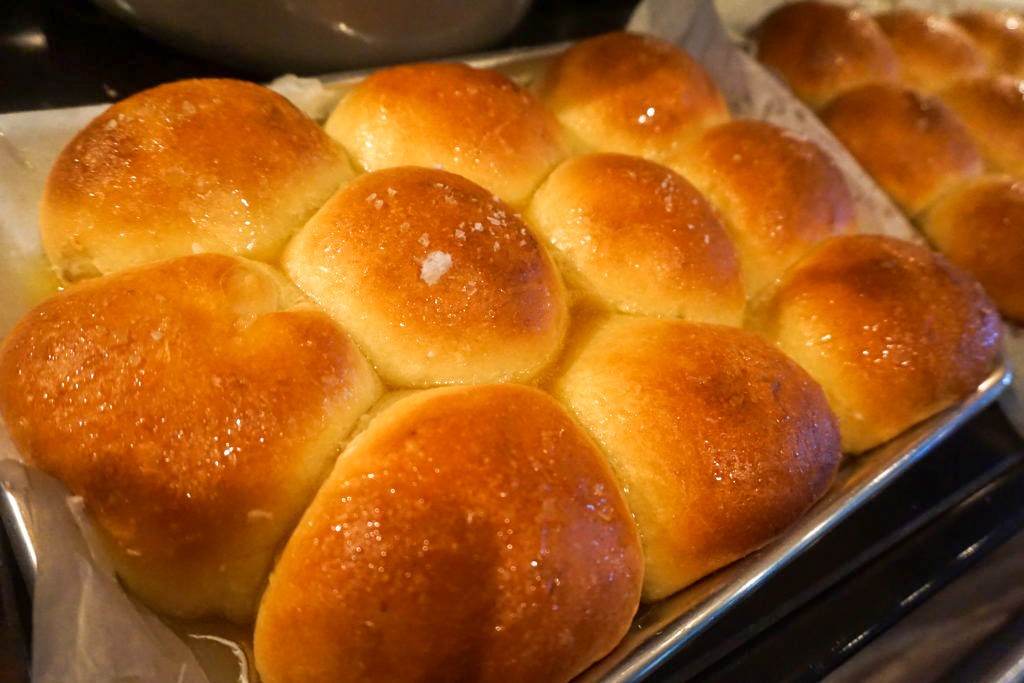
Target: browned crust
892	332
470	533
631	93
912	144
177	399
210	165
778	192
822	50
719	440
638	237
992	109
437	280
999	35
933	50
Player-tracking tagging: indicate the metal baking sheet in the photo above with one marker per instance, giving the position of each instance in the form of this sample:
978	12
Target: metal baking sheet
30	140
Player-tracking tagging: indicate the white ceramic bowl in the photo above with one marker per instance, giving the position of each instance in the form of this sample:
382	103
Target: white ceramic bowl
318	36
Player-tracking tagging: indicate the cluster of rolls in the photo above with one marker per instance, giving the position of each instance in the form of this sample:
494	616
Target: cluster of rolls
465	370
933	107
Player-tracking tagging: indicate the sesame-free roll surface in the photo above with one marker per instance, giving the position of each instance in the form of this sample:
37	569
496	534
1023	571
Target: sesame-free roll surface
638	238
208	165
999	34
631	93
933	50
477	123
823	49
912	144
436	279
719	440
778	193
992	110
469	533
979	226
891	331
194	405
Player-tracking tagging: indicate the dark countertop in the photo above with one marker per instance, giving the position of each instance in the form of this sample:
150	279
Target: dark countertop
943	519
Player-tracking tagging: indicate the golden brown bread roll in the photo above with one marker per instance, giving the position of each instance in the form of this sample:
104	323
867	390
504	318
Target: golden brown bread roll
631	93
637	237
202	165
778	192
892	332
436	279
194	405
992	109
473	122
912	144
469	533
822	49
932	49
999	34
719	440
979	226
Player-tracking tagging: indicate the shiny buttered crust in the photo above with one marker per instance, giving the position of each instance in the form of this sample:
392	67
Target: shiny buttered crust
630	93
892	332
194	166
1000	37
979	226
912	144
474	122
778	192
436	279
636	237
719	440
194	405
470	533
992	109
933	50
822	50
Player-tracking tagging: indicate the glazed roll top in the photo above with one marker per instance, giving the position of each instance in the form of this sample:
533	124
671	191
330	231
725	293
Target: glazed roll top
778	192
891	331
437	280
637	237
912	144
719	440
631	93
194	166
469	533
822	50
979	226
992	109
194	405
933	50
473	122
999	34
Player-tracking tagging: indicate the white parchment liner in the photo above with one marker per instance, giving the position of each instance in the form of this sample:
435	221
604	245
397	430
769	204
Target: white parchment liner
84	626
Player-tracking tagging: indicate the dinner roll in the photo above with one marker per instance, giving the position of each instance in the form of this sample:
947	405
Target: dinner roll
470	533
910	143
777	191
631	93
932	49
718	439
893	333
436	279
201	165
979	226
474	122
637	237
194	405
999	34
822	49
992	109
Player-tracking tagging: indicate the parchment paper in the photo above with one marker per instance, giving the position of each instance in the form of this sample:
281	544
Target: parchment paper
85	627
